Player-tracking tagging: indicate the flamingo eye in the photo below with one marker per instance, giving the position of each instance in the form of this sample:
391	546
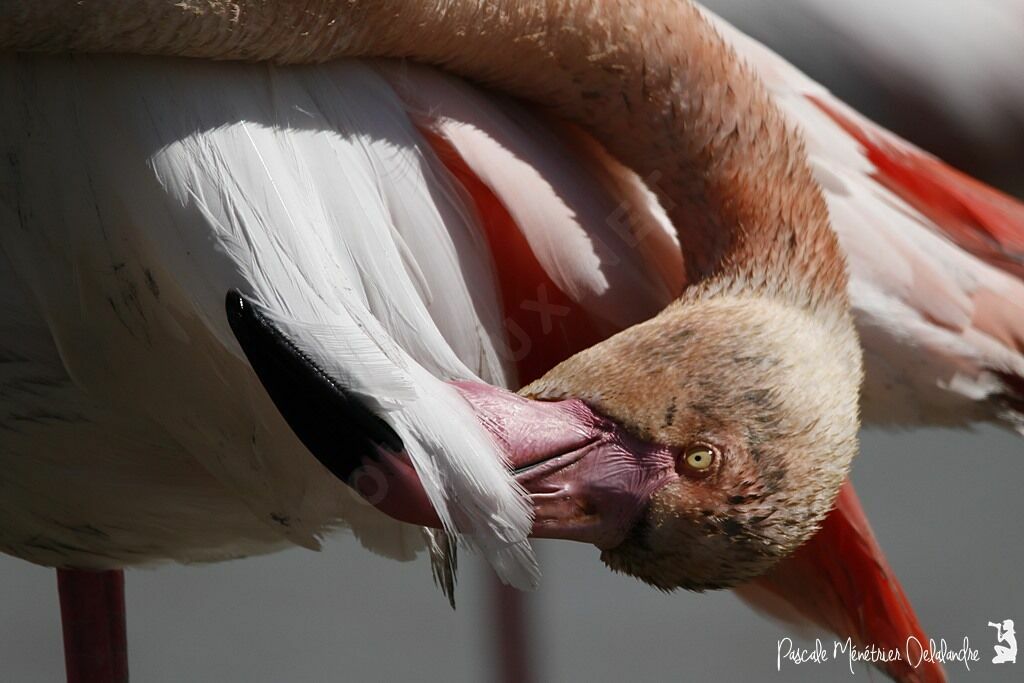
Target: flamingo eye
699	458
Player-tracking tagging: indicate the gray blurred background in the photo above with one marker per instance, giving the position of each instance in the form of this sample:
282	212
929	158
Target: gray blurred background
946	506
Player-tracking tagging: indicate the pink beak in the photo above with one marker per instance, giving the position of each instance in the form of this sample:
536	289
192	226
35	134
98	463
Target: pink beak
587	478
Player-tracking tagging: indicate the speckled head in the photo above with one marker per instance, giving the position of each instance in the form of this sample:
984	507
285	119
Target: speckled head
756	403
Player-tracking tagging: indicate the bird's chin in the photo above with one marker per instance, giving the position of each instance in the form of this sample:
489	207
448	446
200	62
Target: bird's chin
634	557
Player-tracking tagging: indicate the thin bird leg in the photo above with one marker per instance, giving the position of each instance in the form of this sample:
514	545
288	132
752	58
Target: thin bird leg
512	632
93	617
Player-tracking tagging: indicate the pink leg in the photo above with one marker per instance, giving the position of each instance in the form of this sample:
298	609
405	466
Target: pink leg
514	653
92	613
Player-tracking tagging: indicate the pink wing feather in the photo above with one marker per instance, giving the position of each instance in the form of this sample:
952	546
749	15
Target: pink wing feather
936	262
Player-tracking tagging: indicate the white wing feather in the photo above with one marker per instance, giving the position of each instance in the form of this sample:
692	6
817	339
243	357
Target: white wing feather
309	191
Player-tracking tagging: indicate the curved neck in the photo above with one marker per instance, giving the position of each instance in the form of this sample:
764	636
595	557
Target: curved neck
651	80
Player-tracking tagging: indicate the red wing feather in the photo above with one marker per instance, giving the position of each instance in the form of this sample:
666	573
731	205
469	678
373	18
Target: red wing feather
841	581
544	326
978	218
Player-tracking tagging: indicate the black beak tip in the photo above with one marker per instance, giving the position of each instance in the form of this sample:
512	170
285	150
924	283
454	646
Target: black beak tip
337	427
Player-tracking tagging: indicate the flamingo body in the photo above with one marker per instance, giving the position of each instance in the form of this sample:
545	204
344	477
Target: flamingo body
406	229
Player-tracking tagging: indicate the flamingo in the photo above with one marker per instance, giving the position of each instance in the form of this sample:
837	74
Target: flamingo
216	264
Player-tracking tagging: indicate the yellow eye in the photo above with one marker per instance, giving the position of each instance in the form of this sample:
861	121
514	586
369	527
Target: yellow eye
699	457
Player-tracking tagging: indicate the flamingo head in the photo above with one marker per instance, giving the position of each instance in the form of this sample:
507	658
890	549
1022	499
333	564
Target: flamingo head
696	449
